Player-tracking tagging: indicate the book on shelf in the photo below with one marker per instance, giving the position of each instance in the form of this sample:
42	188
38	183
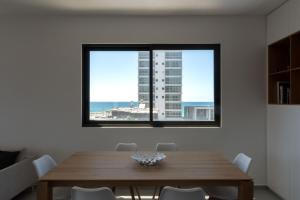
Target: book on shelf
283	92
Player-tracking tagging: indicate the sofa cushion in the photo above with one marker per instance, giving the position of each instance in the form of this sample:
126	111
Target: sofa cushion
22	150
8	158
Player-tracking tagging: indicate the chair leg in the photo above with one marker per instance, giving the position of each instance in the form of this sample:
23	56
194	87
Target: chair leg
113	189
138	193
159	192
154	193
33	188
132	192
215	198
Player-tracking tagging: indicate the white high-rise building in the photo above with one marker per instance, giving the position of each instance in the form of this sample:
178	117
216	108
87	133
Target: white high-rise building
167	83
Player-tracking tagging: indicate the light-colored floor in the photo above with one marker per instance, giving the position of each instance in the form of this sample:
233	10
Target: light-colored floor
260	193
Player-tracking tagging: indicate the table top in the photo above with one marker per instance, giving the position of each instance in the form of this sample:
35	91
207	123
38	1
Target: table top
118	166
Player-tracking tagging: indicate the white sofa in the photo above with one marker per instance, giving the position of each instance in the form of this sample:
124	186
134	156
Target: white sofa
17	177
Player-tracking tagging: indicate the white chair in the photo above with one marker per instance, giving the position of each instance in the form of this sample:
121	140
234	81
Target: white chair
103	193
243	162
166	147
42	166
128	147
171	193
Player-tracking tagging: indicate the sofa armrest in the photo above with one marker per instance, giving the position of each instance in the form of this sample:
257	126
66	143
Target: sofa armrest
16	178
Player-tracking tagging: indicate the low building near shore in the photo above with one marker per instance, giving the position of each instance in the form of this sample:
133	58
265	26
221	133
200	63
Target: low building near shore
199	113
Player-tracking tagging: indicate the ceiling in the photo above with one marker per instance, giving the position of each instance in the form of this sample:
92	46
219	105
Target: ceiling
140	7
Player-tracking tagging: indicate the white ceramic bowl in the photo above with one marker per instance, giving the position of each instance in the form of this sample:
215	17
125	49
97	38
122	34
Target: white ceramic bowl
148	159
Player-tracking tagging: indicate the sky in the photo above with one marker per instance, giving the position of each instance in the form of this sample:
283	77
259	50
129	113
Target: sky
114	76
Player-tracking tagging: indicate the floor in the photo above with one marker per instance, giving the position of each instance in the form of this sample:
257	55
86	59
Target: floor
260	193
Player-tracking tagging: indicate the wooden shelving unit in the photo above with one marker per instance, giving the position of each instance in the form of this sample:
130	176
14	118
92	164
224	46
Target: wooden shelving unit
295	72
284	71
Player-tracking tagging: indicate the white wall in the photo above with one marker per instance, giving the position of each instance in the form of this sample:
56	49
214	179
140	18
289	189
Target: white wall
40	83
283	120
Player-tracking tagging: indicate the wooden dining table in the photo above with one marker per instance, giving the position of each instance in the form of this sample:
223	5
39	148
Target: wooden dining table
111	168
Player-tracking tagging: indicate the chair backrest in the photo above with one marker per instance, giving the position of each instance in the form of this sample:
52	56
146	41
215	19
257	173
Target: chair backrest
171	193
126	147
103	193
243	162
166	147
44	164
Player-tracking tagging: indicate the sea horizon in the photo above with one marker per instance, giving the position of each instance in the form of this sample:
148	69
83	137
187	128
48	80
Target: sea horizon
100	106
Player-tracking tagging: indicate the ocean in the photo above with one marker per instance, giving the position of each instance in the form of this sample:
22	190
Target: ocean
104	106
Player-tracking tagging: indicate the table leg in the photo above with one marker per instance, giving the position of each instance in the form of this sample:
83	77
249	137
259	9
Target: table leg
245	191
44	192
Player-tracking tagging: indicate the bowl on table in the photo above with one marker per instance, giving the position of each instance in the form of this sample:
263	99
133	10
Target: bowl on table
148	159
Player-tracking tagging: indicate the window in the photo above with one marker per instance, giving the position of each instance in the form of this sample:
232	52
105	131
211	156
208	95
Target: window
173	97
144	72
173	63
173	106
143	80
173	114
143	97
143	89
173	55
151	85
173	89
173	80
173	72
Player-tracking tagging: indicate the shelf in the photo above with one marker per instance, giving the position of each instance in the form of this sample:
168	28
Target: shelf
280	72
295	78
279	56
295	49
284	71
295	68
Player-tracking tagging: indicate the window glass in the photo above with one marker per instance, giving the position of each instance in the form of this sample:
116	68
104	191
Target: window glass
119	85
188	88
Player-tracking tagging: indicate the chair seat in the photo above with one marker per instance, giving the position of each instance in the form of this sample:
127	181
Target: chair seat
61	193
103	193
224	193
171	193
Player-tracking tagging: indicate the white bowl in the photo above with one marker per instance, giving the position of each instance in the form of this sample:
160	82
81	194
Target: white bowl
148	159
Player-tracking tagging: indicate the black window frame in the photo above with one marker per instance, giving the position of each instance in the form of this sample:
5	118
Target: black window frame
86	48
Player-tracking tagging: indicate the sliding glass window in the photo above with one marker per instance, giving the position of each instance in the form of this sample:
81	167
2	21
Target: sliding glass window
151	85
